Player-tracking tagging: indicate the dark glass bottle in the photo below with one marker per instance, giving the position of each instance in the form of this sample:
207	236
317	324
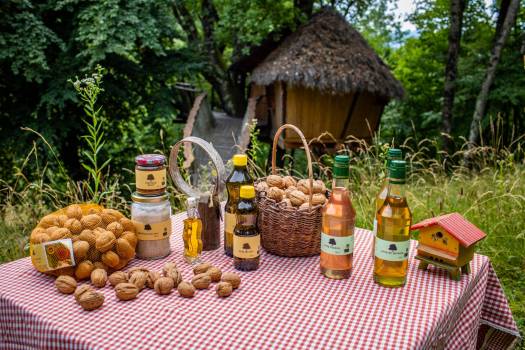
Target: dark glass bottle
246	237
237	178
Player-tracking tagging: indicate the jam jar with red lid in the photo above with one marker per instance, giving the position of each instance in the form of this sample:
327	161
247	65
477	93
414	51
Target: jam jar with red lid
150	174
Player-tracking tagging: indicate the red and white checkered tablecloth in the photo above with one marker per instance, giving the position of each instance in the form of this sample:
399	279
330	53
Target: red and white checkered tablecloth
286	304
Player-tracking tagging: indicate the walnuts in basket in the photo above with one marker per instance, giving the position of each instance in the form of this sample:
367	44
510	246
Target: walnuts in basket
101	237
291	193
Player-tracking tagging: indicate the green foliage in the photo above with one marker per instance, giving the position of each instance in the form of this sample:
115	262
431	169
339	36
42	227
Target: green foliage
88	89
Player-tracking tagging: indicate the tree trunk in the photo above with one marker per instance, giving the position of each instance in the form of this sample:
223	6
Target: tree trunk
457	7
510	13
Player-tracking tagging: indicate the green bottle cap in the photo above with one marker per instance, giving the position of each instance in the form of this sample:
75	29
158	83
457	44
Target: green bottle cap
397	171
342	166
394	153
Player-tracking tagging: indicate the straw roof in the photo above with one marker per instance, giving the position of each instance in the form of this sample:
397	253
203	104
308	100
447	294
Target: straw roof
328	54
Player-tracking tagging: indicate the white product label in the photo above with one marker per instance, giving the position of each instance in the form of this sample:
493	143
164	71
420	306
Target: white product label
337	245
392	251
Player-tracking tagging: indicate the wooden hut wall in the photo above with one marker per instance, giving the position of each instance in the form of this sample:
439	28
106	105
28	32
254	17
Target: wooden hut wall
364	120
314	112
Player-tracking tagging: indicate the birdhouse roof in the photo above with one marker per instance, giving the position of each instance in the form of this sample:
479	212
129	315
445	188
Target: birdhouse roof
455	224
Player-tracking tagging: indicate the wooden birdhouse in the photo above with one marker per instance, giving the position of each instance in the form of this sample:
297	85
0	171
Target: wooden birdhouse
447	242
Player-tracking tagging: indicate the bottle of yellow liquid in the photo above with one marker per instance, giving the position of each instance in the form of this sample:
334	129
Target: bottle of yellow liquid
392	154
192	233
237	178
246	237
392	241
338	223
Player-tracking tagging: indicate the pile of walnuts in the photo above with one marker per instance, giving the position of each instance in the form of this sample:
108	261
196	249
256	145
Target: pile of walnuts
102	238
292	193
128	285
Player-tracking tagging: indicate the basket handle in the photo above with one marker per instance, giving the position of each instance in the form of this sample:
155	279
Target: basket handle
306	149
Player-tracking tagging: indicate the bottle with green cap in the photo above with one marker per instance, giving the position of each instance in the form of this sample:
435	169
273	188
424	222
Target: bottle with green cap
237	178
246	237
392	241
338	223
392	154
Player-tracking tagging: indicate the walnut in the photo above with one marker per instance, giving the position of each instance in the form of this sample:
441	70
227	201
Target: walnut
289	190
39	237
138	278
287	202
319	187
163	285
131	237
289	181
88	236
91	300
186	290
107	218
48	221
304	206
105	241
74	211
83	270
91	221
111	259
60	233
275	181
224	289
201	268
127	224
262	186
81	290
201	281
304	186
116	228
99	278
62	220
100	265
275	193
73	225
318	199
124	249
117	214
66	284
174	274
153	276
231	278
80	249
215	274
297	198
126	291
117	278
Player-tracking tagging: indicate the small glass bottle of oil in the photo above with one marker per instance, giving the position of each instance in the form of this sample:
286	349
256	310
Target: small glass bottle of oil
237	178
392	241
393	154
246	237
338	223
192	233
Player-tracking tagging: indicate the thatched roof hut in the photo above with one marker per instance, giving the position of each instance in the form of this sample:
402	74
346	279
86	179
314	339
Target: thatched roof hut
328	54
324	77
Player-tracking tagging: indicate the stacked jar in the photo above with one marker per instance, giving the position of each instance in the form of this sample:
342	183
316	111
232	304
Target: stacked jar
151	209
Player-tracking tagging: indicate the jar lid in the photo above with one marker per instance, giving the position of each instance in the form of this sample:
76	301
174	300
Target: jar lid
135	197
150	159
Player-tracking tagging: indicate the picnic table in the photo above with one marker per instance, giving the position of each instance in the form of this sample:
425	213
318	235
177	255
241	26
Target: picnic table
285	304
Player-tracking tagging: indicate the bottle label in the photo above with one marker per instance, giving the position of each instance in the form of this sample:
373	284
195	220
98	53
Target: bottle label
153	232
392	251
246	247
246	219
52	255
150	180
337	245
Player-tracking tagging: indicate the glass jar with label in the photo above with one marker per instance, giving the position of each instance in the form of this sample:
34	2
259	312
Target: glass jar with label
152	217
150	174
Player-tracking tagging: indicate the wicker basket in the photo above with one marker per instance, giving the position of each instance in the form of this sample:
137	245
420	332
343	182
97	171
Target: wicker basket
289	231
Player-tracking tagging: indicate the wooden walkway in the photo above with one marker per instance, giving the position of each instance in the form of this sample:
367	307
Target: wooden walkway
225	135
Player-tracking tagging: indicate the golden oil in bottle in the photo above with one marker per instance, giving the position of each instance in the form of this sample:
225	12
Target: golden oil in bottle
338	223
393	154
237	178
246	237
192	234
392	241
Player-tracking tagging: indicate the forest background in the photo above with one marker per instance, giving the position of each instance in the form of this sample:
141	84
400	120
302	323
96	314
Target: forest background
462	68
